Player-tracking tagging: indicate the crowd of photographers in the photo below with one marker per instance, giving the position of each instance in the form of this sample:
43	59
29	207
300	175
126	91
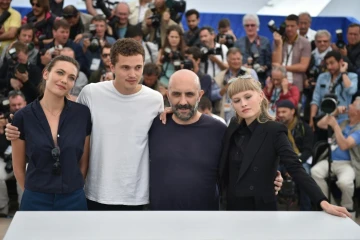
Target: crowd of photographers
310	82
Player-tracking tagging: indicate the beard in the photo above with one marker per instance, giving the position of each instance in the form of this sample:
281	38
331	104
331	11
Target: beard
185	117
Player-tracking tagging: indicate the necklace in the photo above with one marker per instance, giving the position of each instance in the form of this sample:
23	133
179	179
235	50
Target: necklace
55	115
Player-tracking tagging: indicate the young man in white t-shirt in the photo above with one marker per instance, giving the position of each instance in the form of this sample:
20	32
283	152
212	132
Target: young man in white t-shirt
122	112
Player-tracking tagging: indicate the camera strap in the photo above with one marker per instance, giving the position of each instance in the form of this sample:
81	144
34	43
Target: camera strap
149	50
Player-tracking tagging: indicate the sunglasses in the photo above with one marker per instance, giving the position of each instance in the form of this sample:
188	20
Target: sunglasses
36	5
250	25
56	170
105	55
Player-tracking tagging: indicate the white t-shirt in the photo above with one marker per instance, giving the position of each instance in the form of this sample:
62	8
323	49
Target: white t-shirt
119	155
288	62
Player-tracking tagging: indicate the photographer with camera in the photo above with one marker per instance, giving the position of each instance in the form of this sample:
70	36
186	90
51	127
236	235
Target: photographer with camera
292	51
41	19
345	153
61	31
24	34
104	66
219	88
172	53
138	9
191	36
92	43
10	21
16	101
214	54
192	62
79	22
316	67
19	74
256	50
304	27
157	21
350	52
278	88
336	81
225	36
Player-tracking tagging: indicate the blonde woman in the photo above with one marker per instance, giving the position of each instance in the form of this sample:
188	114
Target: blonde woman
253	146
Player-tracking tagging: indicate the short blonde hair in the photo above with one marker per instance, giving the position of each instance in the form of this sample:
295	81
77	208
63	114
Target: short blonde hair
242	84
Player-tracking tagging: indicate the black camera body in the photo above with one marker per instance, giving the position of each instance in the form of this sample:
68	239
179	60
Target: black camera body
188	64
8	160
155	17
14	65
177	9
205	51
229	39
94	41
329	103
273	28
340	41
172	56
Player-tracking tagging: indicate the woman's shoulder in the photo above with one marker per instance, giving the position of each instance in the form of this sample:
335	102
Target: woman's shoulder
274	127
78	107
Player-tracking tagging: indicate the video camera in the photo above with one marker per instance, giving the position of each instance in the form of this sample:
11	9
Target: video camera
14	65
273	28
229	39
340	42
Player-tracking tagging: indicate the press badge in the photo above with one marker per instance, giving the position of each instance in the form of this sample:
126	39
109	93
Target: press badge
227	107
95	64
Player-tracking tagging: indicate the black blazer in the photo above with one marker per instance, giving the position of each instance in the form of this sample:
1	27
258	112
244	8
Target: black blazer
267	147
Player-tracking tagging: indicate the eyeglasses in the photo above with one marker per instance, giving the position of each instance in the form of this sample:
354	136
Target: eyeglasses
250	25
56	170
36	5
105	55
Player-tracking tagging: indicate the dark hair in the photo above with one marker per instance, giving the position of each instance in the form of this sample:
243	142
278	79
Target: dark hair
151	69
233	50
61	23
223	23
208	28
20	47
205	103
195	52
181	46
354	25
106	45
70	10
126	47
293	17
99	18
25	27
192	12
334	54
45	4
50	65
133	31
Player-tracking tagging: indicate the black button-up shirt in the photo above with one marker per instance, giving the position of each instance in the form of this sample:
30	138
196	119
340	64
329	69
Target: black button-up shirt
74	126
239	142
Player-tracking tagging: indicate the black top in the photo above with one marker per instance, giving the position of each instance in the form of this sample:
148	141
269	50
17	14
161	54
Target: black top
267	146
74	126
184	161
239	142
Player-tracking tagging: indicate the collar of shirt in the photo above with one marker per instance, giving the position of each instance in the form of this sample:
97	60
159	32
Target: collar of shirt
243	126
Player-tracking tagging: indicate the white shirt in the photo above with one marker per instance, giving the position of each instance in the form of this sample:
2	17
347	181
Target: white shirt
137	12
119	156
310	35
151	52
213	68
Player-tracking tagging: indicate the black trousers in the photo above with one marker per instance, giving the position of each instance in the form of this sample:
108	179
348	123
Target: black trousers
95	206
235	203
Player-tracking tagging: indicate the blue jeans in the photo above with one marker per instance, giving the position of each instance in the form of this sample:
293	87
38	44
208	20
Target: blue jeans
37	201
305	203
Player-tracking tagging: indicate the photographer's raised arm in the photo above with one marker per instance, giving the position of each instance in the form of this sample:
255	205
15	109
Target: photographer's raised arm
222	65
278	45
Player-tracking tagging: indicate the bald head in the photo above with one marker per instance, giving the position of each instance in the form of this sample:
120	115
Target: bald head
185	77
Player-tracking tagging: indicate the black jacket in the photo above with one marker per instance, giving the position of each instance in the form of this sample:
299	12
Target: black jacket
267	147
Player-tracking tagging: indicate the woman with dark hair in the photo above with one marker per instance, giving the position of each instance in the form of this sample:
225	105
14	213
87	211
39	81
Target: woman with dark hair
171	54
54	141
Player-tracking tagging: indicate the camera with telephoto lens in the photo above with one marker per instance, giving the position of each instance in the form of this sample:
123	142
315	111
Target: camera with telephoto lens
172	56
94	41
155	17
313	74
273	28
205	52
329	103
229	39
14	65
339	36
177	9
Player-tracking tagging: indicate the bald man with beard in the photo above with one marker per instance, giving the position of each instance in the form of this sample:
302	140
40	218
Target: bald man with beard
185	152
